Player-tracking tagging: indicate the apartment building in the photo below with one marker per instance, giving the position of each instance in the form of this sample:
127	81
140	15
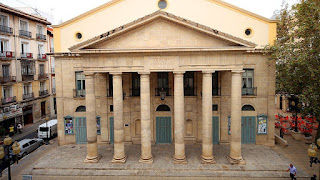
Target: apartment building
24	80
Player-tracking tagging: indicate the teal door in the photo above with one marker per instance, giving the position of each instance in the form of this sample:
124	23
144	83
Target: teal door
163	130
248	129
215	129
81	130
111	130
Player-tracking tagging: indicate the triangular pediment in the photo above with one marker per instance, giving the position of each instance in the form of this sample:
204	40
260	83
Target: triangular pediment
162	30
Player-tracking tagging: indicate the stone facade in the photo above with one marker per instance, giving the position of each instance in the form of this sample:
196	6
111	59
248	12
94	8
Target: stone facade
191	89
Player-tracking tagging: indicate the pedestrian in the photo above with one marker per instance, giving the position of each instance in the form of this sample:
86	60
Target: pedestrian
293	171
15	127
281	132
11	130
314	177
19	128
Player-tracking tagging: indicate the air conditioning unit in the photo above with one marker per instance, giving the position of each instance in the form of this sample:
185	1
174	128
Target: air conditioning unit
29	55
6	109
8	54
44	56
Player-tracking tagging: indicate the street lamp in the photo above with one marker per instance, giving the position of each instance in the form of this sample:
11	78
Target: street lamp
47	140
162	94
15	149
296	107
312	153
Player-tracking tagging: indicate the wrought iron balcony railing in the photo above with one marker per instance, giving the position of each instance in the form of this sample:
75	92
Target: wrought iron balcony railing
216	92
79	93
42	76
43	92
249	91
5	29
42	57
26	55
135	92
28	96
41	37
9	100
6	54
25	33
188	91
27	77
7	79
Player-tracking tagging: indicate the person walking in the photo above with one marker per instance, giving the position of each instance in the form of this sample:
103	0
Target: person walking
11	130
281	132
293	172
19	128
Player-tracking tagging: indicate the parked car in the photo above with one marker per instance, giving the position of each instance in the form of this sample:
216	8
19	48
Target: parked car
29	145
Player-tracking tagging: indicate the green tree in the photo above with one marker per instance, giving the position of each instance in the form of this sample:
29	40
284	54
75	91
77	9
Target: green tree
297	54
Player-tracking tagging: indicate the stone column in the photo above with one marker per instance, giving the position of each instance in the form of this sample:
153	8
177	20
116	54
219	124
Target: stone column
92	145
119	152
146	156
235	144
179	146
207	147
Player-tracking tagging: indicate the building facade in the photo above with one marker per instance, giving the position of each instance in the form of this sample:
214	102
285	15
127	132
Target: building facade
176	72
24	67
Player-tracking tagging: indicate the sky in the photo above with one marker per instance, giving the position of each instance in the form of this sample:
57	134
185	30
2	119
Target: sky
63	10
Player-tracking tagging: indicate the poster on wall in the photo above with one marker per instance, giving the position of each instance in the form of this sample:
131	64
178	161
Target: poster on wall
68	121
262	124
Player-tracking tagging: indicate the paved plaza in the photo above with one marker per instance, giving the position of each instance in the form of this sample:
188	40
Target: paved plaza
261	162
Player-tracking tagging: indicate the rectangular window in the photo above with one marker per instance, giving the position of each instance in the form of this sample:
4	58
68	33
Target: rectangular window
42	86
68	125
27	68
24	48
215	84
110	91
111	108
39	29
40	49
5	71
163	83
80	84
247	82
4	44
24	25
188	83
27	88
135	84
7	92
215	107
4	20
98	125
41	69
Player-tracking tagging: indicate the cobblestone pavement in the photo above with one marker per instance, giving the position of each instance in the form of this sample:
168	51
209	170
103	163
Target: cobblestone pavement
261	162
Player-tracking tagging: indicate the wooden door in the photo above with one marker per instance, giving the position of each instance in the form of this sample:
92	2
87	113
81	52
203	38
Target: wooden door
248	129
81	130
163	130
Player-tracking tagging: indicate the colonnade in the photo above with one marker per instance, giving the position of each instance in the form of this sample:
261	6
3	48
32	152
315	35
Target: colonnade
179	129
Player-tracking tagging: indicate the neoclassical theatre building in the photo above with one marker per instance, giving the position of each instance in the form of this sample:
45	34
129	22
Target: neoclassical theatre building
156	72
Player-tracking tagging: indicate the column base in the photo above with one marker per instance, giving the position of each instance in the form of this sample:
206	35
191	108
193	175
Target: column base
240	161
146	161
206	160
180	161
122	160
92	160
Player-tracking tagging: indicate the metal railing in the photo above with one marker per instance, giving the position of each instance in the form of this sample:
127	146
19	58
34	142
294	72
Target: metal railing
26	55
28	96
42	56
190	91
135	92
216	92
167	90
43	92
25	33
41	37
42	76
249	91
79	93
8	54
28	77
5	29
7	79
9	100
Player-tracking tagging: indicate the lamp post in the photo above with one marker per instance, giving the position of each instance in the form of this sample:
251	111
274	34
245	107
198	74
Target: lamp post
15	149
312	153
296	107
47	140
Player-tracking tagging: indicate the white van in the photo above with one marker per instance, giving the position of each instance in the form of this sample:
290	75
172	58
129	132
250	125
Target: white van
49	131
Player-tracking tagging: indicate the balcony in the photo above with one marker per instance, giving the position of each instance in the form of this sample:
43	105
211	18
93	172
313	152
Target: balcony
41	37
53	70
27	77
28	96
135	92
5	29
9	100
43	93
167	90
189	91
26	56
249	91
7	79
79	93
42	57
42	76
24	33
216	92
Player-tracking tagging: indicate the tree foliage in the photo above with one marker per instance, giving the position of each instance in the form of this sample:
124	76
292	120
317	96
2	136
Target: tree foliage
297	53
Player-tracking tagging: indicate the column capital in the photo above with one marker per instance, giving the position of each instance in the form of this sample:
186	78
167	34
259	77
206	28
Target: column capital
237	71
179	72
115	73
208	71
144	73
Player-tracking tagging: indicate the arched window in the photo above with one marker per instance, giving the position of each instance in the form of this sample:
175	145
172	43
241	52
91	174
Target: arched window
81	109
163	107
247	108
